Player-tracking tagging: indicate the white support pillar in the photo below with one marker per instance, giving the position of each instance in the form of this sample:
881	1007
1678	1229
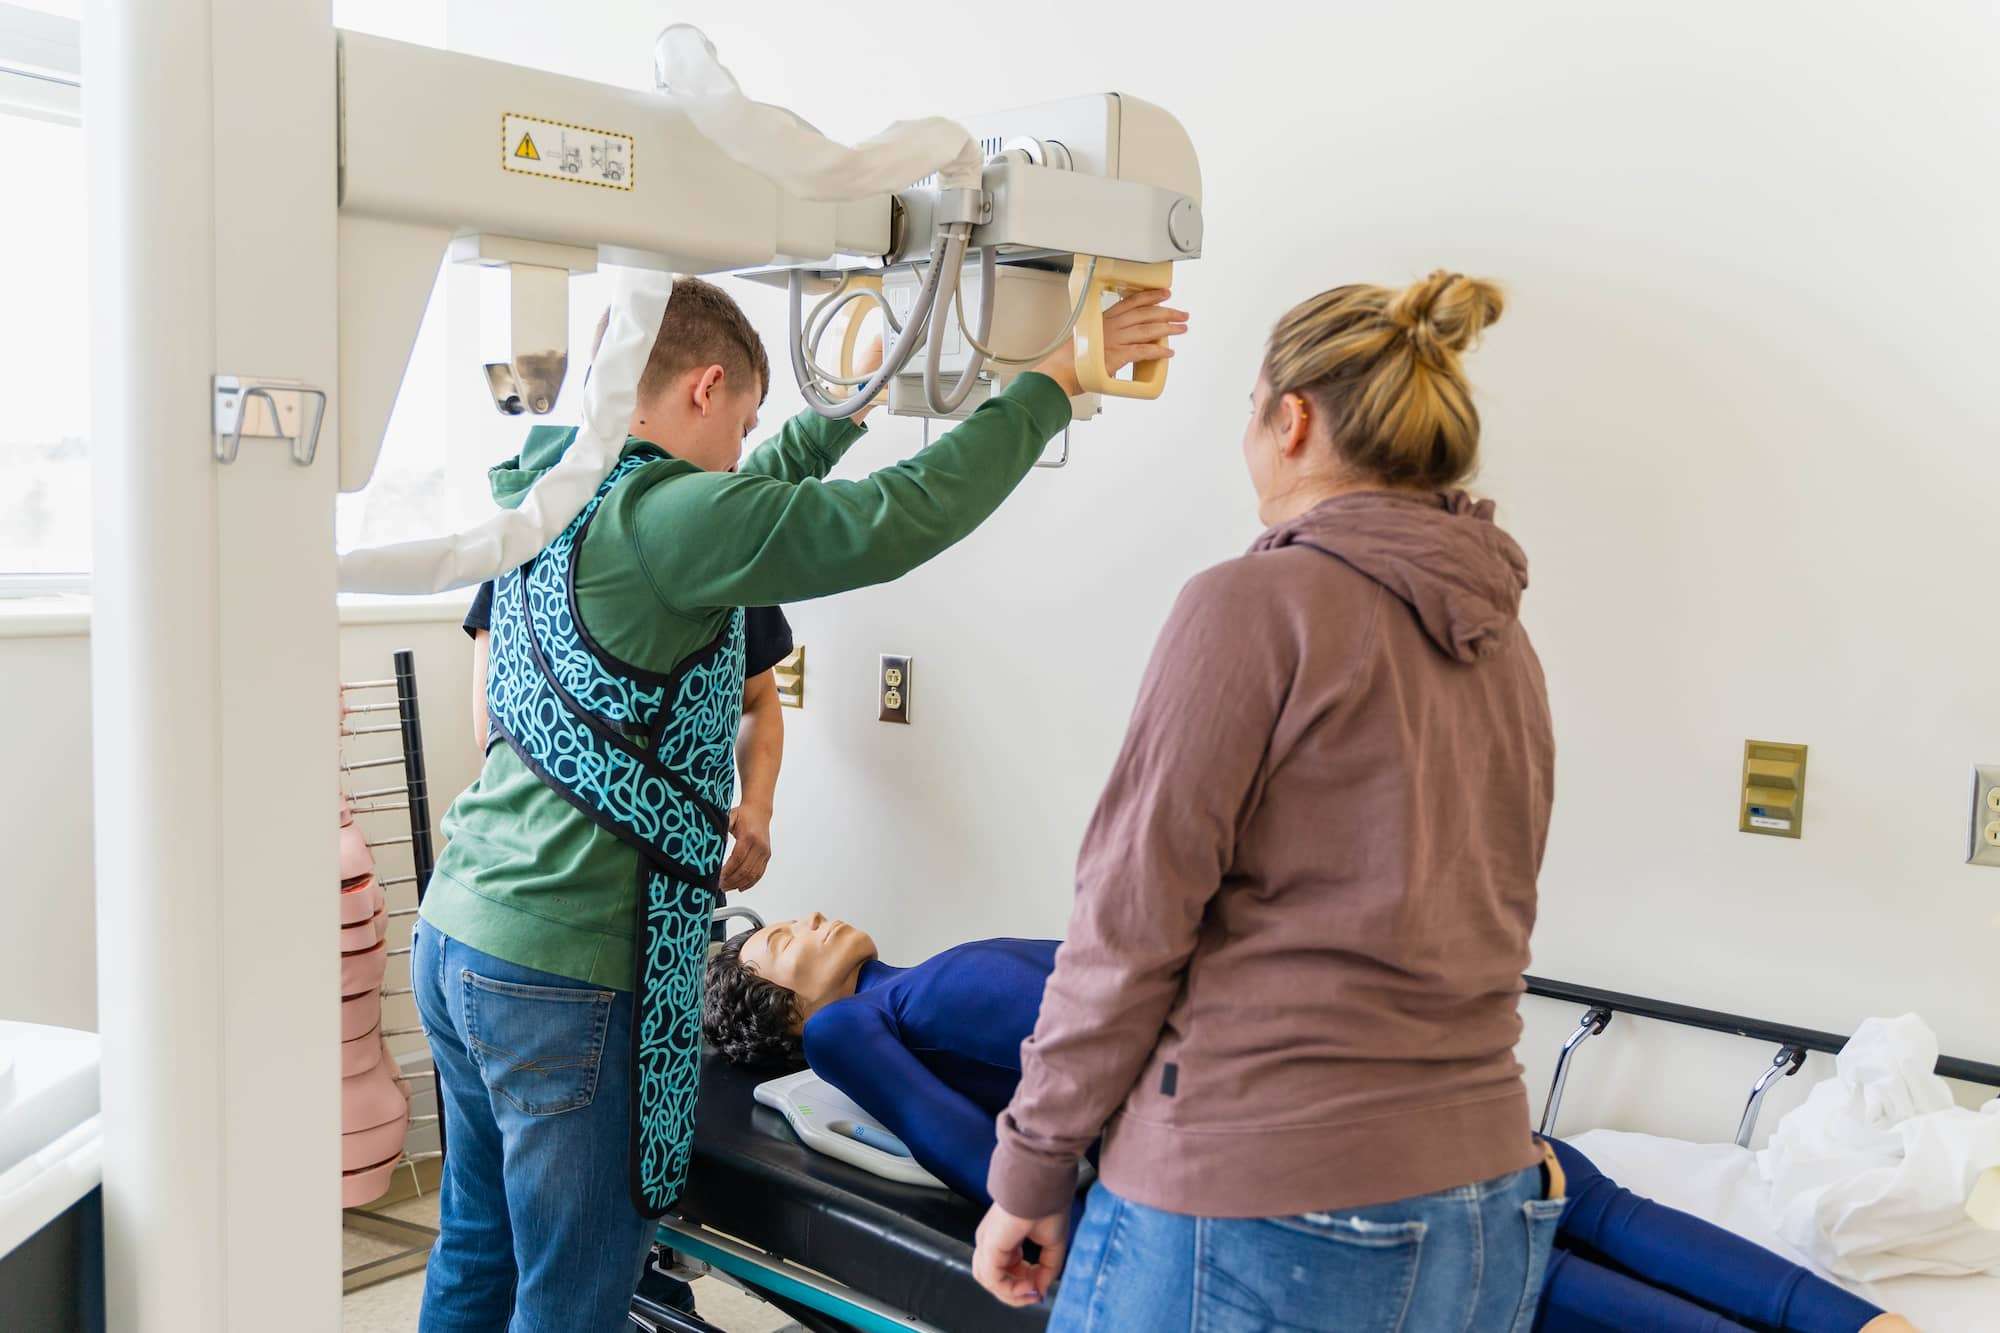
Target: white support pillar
212	140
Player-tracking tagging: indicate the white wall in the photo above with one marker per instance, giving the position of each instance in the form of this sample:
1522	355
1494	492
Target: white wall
48	962
48	949
1738	413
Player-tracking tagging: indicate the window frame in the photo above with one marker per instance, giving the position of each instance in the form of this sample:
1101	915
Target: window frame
41	66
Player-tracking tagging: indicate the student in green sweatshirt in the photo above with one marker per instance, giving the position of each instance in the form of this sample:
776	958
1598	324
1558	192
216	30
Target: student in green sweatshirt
558	956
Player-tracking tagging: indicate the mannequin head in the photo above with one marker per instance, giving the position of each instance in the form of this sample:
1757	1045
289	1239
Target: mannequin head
763	986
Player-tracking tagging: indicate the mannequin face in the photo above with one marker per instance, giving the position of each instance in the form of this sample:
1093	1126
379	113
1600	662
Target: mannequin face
817	959
702	417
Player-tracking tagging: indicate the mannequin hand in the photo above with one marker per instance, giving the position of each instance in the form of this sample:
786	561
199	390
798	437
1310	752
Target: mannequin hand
750	826
1888	1323
1135	329
1002	1266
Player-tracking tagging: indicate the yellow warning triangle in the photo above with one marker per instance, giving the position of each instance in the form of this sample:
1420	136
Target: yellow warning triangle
527	149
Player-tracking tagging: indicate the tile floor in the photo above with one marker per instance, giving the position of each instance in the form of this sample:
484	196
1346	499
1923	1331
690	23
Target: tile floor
391	1307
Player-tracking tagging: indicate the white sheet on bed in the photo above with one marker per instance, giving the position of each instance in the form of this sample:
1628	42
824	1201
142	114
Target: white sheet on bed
1871	1175
1720	1182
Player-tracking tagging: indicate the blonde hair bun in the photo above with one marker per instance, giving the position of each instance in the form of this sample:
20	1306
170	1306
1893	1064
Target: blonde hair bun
1443	314
1381	366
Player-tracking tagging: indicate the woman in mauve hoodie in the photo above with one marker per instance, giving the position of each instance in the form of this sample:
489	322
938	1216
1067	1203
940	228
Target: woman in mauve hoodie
1287	998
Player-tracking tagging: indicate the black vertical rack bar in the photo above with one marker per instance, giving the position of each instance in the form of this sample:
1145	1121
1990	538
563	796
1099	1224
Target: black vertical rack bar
413	770
421	854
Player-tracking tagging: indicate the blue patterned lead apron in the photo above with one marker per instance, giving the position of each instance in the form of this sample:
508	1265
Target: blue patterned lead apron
652	759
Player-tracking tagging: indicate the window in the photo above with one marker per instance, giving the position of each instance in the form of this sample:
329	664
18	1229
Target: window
44	308
443	434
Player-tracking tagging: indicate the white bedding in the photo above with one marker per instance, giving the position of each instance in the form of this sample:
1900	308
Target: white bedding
1719	1182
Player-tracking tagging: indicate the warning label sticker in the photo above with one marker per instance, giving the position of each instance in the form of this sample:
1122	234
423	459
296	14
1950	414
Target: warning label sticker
560	151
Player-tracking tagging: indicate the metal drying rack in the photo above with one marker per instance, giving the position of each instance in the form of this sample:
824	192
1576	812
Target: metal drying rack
413	796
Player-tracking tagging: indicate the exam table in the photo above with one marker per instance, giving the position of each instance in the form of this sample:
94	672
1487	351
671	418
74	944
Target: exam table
875	1255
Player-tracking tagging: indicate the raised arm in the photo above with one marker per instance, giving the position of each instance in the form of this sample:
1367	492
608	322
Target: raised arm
804	449
809	445
776	534
853	1047
750	539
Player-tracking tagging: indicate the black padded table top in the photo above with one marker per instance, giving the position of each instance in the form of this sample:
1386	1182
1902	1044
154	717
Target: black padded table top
904	1245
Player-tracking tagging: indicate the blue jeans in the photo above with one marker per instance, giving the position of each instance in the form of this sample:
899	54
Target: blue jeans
1468	1260
537	1231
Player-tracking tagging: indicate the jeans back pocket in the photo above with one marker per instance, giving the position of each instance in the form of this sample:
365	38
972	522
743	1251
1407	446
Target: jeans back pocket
537	1046
1316	1271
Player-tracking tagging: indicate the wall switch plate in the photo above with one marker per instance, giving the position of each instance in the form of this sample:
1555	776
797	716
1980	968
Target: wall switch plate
1984	844
892	684
1773	796
790	674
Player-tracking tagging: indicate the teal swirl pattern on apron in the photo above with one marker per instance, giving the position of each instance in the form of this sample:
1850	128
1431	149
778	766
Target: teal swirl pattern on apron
652	760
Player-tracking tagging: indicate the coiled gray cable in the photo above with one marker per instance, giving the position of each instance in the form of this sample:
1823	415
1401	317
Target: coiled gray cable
1033	358
892	364
940	401
822	318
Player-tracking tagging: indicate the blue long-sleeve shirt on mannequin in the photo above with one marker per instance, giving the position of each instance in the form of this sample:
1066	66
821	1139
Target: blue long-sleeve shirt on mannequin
934	1053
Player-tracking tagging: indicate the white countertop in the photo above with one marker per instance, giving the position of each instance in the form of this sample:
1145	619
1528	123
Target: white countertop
49	1150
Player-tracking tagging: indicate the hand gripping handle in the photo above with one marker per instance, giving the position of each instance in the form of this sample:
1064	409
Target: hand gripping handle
1149	378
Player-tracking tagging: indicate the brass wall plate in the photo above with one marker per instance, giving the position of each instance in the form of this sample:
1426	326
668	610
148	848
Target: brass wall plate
790	674
1773	795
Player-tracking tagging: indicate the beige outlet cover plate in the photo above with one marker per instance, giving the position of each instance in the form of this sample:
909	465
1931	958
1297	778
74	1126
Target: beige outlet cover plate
1984	843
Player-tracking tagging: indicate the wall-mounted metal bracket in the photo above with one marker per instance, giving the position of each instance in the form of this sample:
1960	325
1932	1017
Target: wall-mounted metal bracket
790	675
1063	459
267	409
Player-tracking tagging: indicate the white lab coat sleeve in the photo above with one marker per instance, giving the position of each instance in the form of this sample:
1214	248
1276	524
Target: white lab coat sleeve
510	537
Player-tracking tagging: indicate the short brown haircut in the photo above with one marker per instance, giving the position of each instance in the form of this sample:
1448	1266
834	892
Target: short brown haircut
703	327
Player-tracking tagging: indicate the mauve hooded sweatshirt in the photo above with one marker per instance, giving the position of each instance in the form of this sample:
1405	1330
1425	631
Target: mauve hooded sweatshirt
1292	973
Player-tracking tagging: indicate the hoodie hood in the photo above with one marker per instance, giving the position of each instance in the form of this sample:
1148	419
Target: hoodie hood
1441	554
542	450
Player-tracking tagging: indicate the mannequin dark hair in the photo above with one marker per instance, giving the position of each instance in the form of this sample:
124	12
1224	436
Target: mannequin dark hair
750	1020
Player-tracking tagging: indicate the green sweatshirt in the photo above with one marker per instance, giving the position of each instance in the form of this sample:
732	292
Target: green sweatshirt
673	550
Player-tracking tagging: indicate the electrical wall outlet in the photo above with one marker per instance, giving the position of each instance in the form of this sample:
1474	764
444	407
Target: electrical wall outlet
893	685
1984	844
